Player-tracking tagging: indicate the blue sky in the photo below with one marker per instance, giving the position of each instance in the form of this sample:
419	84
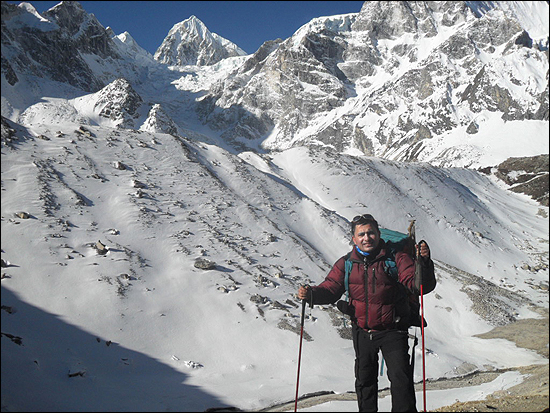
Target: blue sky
246	23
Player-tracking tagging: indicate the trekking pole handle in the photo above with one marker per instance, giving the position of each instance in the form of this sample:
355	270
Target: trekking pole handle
309	294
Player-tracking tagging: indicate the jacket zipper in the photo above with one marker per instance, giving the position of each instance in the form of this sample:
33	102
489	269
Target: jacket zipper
373	280
366	275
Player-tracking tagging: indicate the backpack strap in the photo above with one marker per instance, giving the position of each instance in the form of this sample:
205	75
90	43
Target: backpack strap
348	268
390	267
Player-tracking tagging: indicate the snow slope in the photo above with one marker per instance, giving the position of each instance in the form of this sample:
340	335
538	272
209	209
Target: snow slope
141	328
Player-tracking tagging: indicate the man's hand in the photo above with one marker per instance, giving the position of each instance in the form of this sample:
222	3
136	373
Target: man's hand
304	292
423	249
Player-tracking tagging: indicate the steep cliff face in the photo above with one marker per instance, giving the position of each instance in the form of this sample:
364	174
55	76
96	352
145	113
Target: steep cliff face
53	45
386	81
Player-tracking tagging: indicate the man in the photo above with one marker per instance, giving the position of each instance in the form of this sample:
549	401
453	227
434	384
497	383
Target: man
380	312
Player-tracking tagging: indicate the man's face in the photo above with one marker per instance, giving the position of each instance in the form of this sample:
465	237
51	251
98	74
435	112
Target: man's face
366	237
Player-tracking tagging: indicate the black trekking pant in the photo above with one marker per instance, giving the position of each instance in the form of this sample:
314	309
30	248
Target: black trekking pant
395	350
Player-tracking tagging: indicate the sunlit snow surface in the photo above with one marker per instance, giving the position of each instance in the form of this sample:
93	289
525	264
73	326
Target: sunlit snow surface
188	339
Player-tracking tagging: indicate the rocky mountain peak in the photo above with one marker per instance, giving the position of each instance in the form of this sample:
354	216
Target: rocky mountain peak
69	15
193	26
127	39
84	28
22	10
127	46
158	121
118	102
191	43
69	33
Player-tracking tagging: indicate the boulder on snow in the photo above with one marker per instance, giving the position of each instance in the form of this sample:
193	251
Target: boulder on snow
119	165
138	184
204	264
101	248
22	215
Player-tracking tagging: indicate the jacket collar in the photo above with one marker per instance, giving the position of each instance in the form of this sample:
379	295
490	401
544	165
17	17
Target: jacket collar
379	253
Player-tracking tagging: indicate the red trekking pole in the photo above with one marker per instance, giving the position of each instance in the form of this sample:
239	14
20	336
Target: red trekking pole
300	353
418	275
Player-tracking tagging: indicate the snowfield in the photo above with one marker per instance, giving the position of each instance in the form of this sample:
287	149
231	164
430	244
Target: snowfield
141	328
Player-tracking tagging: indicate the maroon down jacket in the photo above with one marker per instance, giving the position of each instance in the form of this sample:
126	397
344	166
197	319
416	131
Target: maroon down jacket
376	301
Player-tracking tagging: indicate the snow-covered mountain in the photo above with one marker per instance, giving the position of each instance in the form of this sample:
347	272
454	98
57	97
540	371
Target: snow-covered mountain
433	82
191	43
218	189
407	81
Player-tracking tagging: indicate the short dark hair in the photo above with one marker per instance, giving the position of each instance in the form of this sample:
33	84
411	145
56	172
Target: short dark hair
364	219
